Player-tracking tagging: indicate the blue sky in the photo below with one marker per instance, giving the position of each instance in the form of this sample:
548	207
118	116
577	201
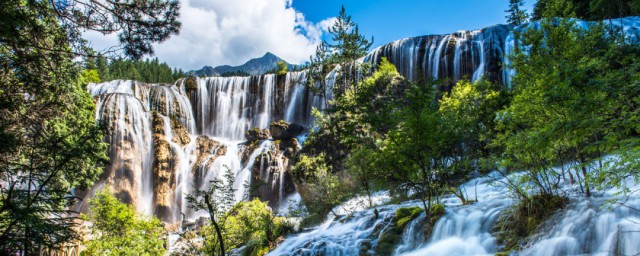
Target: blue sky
230	32
390	20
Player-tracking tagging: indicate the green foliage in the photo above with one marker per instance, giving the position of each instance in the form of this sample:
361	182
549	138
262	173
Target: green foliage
90	76
347	46
118	230
148	71
282	68
321	188
50	143
217	200
572	97
586	9
253	224
515	15
468	114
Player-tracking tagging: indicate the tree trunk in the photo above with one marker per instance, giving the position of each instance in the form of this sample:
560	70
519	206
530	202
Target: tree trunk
207	199
586	182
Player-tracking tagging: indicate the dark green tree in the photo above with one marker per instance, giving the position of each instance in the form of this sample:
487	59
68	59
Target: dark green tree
515	14
50	145
348	45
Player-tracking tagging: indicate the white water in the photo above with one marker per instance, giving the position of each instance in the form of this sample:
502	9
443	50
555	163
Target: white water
471	54
585	227
224	109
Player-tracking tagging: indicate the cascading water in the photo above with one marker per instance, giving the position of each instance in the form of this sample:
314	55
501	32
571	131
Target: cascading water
470	54
586	226
203	122
169	140
130	151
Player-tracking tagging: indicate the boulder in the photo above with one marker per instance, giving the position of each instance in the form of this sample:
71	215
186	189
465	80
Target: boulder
281	130
257	134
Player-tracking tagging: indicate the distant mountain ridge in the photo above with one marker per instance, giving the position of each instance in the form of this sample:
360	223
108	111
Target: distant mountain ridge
256	66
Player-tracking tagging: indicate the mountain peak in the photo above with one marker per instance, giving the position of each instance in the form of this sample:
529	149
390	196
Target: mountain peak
269	54
255	66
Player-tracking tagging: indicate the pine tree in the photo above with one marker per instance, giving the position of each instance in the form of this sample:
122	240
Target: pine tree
349	45
515	15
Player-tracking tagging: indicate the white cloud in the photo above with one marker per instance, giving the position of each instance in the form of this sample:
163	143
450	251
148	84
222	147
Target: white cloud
218	32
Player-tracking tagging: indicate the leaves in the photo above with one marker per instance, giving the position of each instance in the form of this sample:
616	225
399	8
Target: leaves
118	230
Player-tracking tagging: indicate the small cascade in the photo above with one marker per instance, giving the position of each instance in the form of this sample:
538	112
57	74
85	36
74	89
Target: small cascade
261	151
590	226
464	229
585	227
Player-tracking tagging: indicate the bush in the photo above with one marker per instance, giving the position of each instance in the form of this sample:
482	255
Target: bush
118	230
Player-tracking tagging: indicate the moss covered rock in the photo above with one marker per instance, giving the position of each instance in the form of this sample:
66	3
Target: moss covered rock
190	83
405	215
281	130
516	224
256	134
388	240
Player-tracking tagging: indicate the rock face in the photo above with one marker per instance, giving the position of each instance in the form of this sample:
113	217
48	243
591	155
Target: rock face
256	134
165	164
207	151
271	178
180	133
281	130
130	145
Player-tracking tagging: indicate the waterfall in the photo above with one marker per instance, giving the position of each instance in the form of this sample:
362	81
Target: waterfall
482	53
130	149
169	140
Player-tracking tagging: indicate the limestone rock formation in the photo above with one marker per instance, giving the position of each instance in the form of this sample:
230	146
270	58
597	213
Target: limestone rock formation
281	130
271	178
180	133
164	171
207	150
256	134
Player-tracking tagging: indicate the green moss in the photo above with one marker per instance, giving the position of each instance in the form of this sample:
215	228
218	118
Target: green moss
405	215
388	241
437	211
521	221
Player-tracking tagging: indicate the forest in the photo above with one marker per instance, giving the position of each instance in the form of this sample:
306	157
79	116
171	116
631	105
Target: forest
570	113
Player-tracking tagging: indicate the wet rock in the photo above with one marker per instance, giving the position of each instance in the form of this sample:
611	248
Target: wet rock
180	134
256	134
190	83
271	176
207	150
164	171
281	130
